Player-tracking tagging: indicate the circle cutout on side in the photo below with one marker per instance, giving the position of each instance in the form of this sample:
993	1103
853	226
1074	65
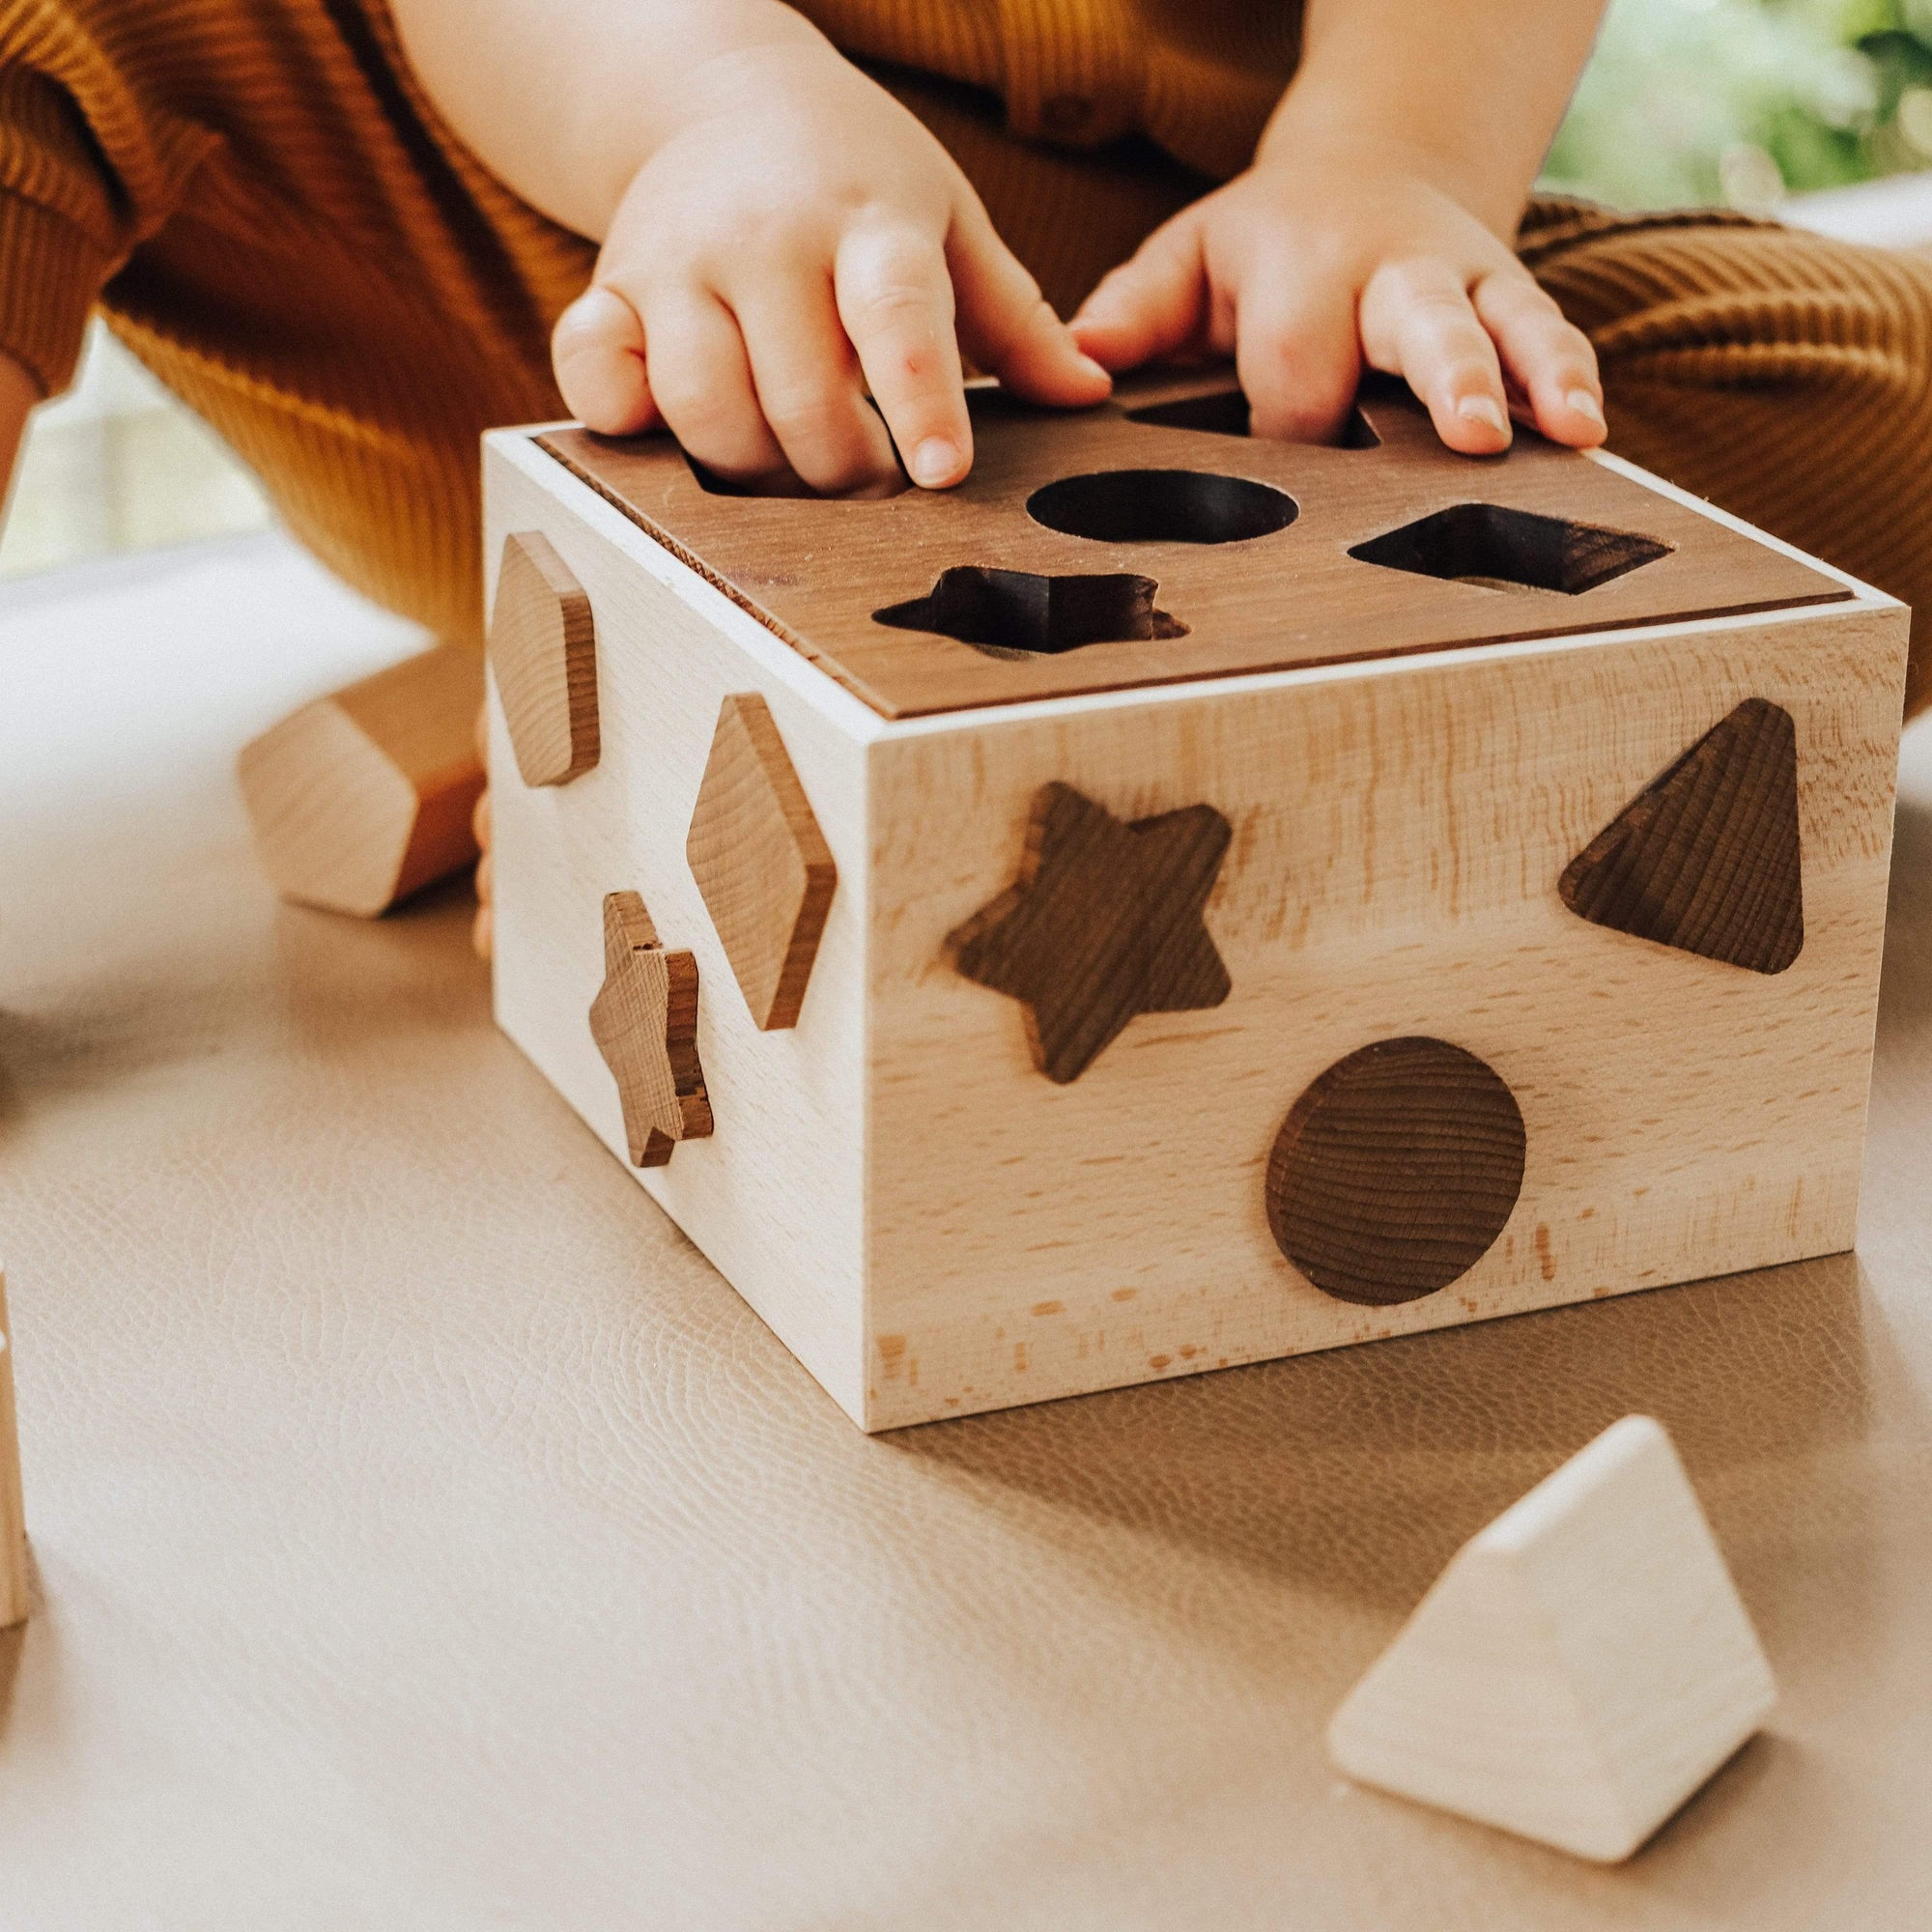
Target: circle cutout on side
1395	1171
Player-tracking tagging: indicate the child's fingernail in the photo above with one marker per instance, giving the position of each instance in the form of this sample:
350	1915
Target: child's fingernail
934	461
1095	368
1586	406
1484	410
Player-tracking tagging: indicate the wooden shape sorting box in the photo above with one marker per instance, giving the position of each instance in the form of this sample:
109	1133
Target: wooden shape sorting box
1202	899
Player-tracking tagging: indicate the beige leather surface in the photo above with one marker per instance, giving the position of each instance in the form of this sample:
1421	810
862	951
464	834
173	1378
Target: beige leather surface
426	1537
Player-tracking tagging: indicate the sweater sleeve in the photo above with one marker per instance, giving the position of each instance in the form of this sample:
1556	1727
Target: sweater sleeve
88	167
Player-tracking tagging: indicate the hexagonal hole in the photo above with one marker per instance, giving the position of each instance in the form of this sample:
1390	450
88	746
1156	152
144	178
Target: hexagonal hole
1020	613
1225	413
1500	549
1162	506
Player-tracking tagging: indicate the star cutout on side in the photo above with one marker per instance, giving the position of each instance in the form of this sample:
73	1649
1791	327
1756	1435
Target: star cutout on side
645	1021
1104	922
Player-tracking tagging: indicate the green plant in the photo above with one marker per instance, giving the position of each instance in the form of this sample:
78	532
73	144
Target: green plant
1744	100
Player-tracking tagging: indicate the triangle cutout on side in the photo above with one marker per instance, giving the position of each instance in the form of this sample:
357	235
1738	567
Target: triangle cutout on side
1581	1666
1705	858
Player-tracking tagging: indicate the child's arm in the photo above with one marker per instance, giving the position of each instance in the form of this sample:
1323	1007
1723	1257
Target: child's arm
1375	224
775	227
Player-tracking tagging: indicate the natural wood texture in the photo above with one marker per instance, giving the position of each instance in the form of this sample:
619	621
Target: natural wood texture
363	797
645	1021
543	653
761	861
13	1605
1103	923
934	1228
1578	1670
817	571
1706	857
1395	1171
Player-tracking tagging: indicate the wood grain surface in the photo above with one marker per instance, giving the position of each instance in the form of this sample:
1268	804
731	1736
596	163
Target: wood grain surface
761	861
817	571
1396	1171
1104	923
939	1230
362	797
543	652
1706	857
645	1021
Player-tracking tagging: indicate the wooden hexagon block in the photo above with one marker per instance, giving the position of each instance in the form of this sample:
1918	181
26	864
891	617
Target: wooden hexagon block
364	796
543	650
761	861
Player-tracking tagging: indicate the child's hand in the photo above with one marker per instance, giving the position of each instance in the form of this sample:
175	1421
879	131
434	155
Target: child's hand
1312	263
796	239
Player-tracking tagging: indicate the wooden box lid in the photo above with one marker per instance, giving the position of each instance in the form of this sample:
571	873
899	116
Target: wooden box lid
1217	554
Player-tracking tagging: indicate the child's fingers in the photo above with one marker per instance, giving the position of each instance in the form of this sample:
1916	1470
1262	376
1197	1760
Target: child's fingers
1008	326
1417	322
808	384
702	383
1155	304
597	351
895	300
1297	354
1551	359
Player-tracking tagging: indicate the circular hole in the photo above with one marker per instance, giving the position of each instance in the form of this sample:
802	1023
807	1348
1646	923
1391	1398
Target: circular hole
1162	506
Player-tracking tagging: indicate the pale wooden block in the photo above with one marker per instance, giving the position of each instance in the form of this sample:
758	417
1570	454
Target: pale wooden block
14	1605
364	796
1580	1668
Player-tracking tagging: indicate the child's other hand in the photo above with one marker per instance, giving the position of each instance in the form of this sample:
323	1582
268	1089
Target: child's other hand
1312	263
797	238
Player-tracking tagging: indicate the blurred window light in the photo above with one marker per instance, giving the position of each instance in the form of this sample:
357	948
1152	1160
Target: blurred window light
117	464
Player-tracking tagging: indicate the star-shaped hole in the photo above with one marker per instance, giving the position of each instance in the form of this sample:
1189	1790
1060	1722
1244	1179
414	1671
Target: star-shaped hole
1021	614
1104	922
645	1021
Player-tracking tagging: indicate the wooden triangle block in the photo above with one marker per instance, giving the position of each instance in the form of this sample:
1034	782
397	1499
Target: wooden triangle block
1705	858
1579	1669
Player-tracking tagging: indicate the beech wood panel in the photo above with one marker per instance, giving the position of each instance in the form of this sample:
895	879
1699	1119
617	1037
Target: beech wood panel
1399	833
816	571
775	1195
